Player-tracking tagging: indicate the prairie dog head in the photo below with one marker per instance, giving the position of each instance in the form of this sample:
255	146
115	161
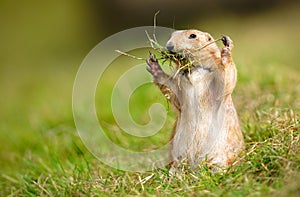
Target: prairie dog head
193	44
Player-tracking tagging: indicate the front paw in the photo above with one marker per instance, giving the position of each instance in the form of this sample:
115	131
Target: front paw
153	66
227	42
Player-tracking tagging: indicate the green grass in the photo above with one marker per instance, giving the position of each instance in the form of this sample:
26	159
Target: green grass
60	165
41	153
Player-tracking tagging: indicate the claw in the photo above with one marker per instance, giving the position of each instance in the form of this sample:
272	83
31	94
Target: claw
152	57
148	68
226	40
150	64
153	65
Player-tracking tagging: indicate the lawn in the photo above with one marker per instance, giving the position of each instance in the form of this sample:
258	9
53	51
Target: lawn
41	153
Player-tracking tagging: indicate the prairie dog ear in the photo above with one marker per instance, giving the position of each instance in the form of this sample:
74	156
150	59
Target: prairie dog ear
208	37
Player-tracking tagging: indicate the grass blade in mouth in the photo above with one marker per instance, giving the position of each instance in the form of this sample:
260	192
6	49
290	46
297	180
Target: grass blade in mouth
178	61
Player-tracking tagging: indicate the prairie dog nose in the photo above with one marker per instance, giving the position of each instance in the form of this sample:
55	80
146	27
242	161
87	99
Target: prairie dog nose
170	47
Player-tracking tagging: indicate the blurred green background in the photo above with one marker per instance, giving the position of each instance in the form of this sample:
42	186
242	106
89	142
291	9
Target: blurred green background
42	44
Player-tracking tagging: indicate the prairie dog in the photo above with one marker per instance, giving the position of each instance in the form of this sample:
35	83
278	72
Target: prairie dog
207	126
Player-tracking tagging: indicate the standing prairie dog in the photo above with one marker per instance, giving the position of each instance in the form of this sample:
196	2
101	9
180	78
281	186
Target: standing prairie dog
207	126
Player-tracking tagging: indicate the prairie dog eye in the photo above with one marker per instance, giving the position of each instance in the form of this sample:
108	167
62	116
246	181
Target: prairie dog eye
192	36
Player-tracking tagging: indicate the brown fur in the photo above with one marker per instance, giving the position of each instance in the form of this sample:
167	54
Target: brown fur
207	125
